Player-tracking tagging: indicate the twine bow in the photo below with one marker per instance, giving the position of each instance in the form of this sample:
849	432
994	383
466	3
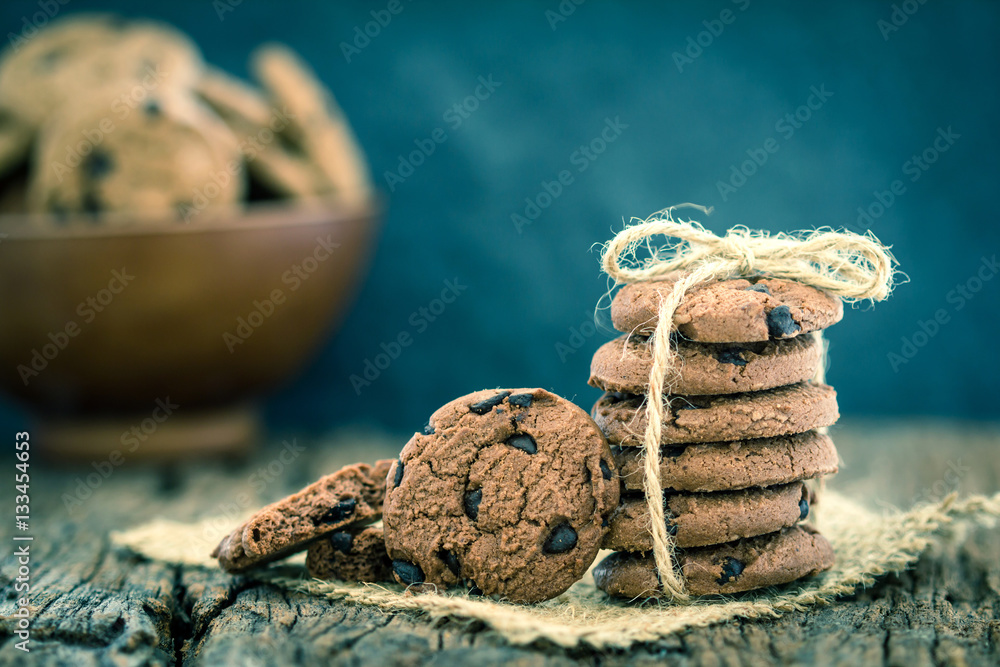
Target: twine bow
845	264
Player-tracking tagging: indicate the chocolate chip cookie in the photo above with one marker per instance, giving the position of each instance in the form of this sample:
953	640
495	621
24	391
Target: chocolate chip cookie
33	74
507	491
355	554
170	157
730	311
700	519
727	466
764	414
767	560
98	57
259	128
318	125
623	365
352	496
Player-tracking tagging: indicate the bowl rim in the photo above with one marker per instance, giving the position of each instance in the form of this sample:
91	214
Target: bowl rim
309	211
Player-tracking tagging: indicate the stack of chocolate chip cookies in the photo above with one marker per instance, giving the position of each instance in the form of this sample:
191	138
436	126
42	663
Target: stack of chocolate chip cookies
742	433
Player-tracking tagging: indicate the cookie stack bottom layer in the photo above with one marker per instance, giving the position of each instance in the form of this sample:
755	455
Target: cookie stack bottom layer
733	507
740	439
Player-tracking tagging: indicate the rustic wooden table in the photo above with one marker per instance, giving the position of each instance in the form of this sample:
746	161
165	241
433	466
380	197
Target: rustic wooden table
99	605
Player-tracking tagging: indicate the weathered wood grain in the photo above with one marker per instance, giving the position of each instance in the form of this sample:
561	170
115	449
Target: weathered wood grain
96	605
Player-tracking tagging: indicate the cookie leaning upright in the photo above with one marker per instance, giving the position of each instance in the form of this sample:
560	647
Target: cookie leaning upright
257	126
507	492
318	125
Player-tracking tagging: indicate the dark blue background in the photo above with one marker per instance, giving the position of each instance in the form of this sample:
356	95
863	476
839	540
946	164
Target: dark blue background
527	292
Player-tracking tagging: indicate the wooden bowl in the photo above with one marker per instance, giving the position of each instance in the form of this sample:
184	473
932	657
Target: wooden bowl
99	320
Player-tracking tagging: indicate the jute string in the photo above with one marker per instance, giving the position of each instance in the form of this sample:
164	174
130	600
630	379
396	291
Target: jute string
845	264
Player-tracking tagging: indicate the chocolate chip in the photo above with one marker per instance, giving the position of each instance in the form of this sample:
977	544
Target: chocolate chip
673	452
521	400
428	429
50	58
485	405
451	561
399	474
731	569
152	108
780	323
59	211
342	542
97	165
524	442
184	210
758	288
408	573
803	508
560	540
605	470
91	203
471	502
340	511
731	355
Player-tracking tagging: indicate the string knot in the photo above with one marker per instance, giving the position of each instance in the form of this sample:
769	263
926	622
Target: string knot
845	264
741	253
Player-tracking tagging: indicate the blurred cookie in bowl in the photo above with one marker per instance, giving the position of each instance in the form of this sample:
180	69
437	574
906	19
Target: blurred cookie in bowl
93	56
317	125
261	131
169	156
15	142
102	116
